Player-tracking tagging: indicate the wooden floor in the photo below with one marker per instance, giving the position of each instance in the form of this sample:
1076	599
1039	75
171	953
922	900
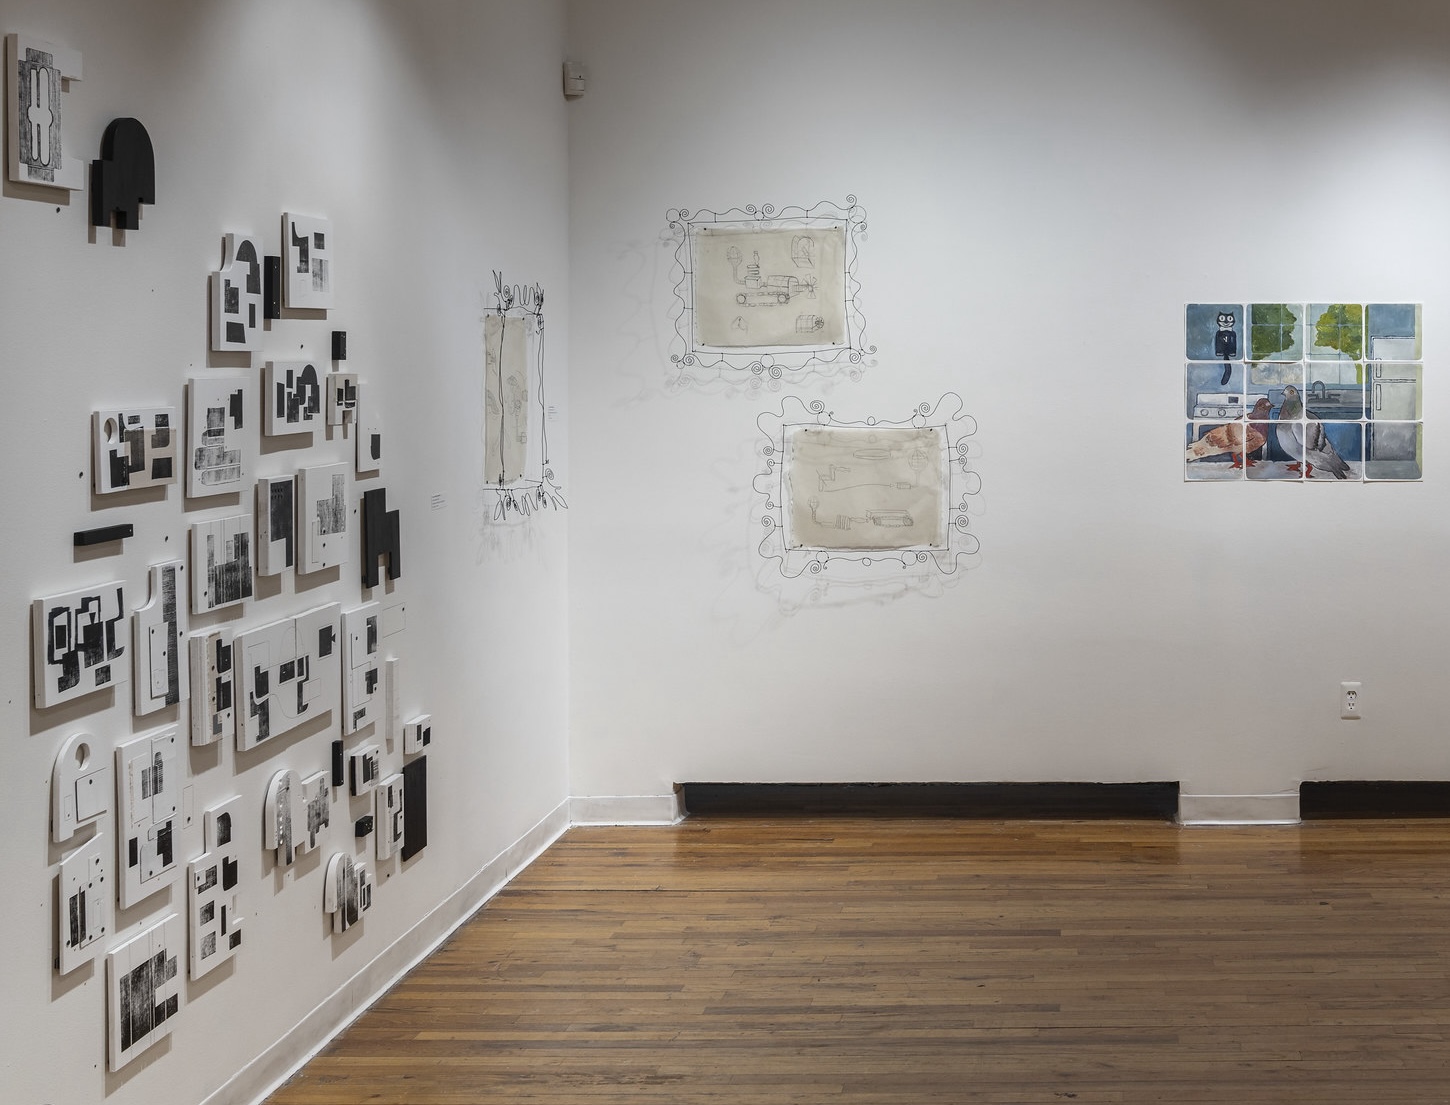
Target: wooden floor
795	961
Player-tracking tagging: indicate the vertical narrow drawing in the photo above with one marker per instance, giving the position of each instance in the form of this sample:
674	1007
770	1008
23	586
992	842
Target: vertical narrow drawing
517	471
506	396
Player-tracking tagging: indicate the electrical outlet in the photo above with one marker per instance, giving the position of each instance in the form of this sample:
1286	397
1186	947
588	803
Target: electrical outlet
1351	706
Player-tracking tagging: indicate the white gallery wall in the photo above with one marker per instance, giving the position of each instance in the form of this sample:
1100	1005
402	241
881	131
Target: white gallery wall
1046	184
433	135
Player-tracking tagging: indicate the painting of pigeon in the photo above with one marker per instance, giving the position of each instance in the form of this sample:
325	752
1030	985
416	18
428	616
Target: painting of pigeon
1302	436
1233	438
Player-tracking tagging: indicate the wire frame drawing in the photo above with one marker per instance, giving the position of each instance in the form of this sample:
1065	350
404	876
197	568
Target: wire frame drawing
518	474
764	294
867	499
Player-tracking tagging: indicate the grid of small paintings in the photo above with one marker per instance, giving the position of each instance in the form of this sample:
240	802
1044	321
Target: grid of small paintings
1322	392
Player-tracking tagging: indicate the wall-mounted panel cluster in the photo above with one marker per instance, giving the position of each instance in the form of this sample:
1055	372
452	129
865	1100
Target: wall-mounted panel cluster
228	684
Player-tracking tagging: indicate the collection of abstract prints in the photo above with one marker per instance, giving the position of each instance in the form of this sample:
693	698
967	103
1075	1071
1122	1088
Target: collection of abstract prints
220	682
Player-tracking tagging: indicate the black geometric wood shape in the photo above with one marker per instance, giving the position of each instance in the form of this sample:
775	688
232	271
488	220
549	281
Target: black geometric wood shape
415	807
339	772
381	536
125	176
103	534
339	345
271	287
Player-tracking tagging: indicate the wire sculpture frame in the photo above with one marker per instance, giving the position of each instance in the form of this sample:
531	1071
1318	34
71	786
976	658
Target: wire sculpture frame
961	484
531	487
827	338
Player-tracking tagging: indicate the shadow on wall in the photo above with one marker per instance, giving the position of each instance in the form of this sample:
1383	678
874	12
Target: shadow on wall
1274	45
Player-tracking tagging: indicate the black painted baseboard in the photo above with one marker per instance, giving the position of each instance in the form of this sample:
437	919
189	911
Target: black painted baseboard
1037	801
1368	798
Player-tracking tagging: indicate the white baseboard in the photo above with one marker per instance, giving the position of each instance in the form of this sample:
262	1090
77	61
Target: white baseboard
263	1075
1239	809
626	809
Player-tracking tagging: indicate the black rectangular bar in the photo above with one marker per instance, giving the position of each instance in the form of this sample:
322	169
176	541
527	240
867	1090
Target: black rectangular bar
1037	801
271	287
103	534
339	345
1374	798
415	807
